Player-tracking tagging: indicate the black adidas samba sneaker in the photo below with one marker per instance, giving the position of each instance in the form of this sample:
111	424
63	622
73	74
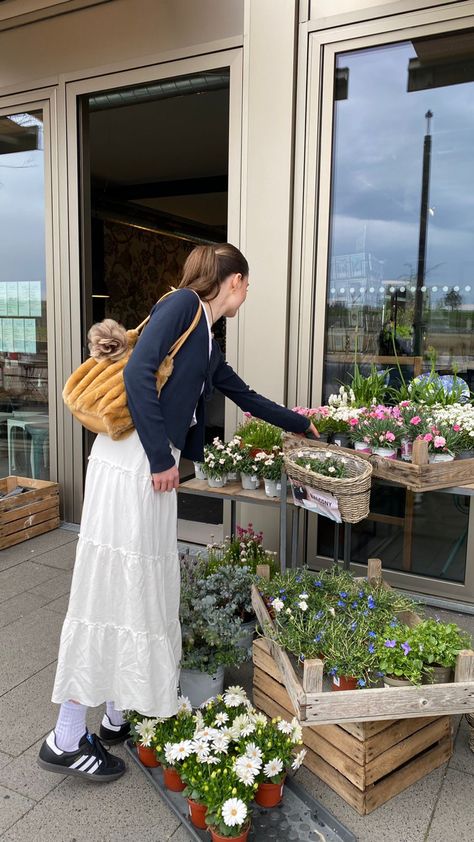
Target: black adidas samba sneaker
90	761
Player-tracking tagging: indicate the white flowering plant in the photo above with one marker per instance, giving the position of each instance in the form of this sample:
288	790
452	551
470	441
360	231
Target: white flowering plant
270	465
218	459
271	748
154	732
324	463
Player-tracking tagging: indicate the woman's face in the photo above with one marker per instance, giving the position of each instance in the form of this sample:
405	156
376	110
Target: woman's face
237	293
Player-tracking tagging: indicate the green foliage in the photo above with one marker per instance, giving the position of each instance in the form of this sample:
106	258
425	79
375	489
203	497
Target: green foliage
257	433
368	390
440	643
399	653
244	549
326	465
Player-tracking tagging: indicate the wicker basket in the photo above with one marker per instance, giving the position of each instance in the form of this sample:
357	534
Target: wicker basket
351	492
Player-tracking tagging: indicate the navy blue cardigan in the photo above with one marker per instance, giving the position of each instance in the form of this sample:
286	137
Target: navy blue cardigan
159	421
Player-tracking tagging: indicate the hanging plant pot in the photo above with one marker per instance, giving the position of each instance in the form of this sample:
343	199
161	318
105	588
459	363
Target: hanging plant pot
249	481
242	837
269	795
362	447
147	756
172	780
200	686
197	814
344	682
386	452
394	681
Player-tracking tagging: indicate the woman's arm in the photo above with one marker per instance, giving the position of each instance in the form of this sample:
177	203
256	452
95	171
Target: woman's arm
167	323
232	386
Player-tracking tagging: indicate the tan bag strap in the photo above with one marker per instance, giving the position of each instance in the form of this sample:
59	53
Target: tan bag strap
182	339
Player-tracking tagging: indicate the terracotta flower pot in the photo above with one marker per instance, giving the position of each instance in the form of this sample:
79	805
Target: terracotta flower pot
217	837
269	795
344	682
197	813
172	780
147	756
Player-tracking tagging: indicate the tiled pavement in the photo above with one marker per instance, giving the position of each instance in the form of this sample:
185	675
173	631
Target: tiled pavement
37	806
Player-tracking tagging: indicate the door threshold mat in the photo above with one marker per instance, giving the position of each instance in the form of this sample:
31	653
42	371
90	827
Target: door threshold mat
299	818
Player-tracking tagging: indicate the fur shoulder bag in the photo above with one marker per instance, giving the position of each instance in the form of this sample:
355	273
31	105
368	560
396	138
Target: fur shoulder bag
95	391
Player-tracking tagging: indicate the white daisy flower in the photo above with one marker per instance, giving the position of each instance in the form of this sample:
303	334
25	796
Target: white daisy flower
169	753
285	727
254	752
146	730
234	812
199	720
221	744
208	701
303	596
260	719
297	734
212	760
235	696
206	734
246	762
303	605
247	729
221	719
238	724
200	747
184	705
182	749
245	776
298	759
273	768
277	604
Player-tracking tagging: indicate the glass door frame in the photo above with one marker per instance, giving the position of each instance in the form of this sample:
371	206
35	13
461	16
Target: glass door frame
312	206
232	59
44	99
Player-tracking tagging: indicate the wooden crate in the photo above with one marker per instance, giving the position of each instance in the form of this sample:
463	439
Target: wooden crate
418	475
313	705
366	763
30	513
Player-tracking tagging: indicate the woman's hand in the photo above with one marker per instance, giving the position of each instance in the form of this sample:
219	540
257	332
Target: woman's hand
312	429
166	480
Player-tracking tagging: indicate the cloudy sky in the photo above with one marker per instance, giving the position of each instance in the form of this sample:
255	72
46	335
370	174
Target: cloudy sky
378	156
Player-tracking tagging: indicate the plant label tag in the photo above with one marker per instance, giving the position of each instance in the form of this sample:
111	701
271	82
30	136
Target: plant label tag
336	680
314	500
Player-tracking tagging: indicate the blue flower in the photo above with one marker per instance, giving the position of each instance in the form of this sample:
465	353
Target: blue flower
372	634
298	578
343	594
361	594
333	671
370	602
361	682
319	615
365	613
353	625
379	674
394	623
371	648
317	638
318	584
301	657
355	604
406	647
390	644
341	603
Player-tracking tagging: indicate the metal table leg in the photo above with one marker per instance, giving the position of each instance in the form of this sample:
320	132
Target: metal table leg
295	534
233	516
283	517
336	543
347	545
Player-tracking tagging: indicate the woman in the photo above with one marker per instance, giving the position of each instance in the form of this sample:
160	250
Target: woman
121	638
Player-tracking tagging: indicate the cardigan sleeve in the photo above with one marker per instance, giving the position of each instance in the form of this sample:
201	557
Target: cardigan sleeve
168	321
232	386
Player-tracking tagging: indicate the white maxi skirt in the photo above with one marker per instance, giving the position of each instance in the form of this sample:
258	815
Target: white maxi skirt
121	639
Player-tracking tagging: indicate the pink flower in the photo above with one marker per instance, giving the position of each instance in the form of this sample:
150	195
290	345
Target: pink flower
456	428
389	436
353	422
247	414
439	441
415	420
405	403
427	437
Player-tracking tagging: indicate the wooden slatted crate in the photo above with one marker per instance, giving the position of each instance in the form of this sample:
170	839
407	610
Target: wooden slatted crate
366	763
312	705
28	514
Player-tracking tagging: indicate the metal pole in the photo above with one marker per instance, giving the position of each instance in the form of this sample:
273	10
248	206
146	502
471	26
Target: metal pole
347	546
418	323
283	517
336	543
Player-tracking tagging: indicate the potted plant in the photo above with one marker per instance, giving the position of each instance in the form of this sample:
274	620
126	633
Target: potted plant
321	419
398	656
211	622
217	463
342	409
412	417
199	470
460	417
259	435
439	644
270	467
368	390
382	429
234	447
443	441
349	649
245	463
172	742
271	749
143	731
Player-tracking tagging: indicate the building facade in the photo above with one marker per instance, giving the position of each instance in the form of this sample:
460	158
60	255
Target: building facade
132	129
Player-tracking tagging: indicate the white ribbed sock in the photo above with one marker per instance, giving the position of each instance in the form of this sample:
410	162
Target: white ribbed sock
71	726
114	715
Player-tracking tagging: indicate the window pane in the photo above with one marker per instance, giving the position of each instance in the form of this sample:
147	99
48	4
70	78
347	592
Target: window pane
24	430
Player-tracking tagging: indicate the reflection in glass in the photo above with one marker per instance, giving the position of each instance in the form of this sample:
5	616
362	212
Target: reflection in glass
401	267
24	428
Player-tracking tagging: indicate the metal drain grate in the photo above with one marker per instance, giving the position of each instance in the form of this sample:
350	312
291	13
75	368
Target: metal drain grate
299	818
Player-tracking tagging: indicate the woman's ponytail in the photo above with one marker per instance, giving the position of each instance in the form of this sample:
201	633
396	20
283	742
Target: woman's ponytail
206	267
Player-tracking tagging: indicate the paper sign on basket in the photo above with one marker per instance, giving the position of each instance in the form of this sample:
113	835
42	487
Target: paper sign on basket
319	502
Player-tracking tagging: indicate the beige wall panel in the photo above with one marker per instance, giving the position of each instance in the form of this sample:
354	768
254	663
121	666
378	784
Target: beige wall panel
113	32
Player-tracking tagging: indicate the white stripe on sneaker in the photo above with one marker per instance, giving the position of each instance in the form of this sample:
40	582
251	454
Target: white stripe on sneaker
94	767
80	760
111	727
89	762
52	744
